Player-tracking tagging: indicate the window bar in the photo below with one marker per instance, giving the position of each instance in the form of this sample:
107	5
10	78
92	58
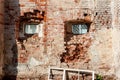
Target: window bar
49	74
64	74
78	75
93	75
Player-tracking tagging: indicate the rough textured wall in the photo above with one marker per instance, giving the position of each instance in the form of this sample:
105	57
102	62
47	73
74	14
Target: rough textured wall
33	55
102	44
100	31
61	12
1	35
116	44
21	56
116	40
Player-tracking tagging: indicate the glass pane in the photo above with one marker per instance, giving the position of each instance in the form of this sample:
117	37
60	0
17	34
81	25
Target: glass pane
79	29
84	31
75	29
30	29
84	28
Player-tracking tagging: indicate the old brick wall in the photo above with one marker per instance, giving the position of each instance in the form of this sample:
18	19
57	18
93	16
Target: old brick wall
18	54
61	12
33	55
1	35
99	35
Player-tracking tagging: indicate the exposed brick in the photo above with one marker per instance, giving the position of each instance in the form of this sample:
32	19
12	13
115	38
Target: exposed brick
88	51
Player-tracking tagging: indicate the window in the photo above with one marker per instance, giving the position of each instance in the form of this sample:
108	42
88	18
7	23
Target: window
30	28
79	28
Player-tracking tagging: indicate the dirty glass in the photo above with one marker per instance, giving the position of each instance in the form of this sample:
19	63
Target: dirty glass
79	28
31	29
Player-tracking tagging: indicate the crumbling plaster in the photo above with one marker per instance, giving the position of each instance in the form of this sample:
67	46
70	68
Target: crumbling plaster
36	54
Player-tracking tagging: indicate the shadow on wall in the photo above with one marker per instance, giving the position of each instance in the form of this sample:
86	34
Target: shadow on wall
12	12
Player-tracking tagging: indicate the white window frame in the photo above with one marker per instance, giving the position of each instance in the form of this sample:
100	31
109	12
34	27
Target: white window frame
39	29
27	28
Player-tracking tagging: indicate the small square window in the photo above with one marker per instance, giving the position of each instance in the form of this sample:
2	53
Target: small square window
79	28
30	28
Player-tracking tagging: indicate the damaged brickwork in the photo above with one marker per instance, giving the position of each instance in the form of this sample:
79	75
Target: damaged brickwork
77	45
77	50
31	55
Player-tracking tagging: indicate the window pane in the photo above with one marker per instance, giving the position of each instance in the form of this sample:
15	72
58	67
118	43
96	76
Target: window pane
84	31
79	29
30	29
75	29
84	28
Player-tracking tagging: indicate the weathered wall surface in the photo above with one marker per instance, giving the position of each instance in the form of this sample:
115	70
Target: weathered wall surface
116	43
1	35
102	44
99	35
20	57
115	34
35	54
